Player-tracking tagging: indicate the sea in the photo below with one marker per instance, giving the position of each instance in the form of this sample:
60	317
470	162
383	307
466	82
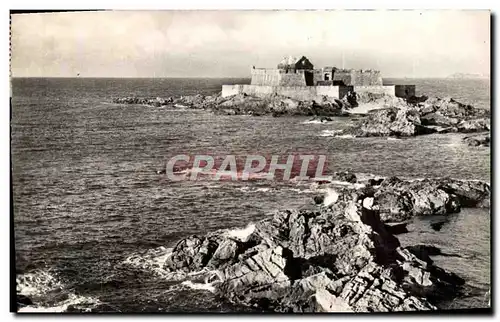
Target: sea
92	217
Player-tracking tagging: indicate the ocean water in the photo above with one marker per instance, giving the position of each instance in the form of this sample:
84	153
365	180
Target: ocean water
90	210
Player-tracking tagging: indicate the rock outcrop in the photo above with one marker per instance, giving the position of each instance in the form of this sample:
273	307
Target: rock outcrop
249	105
480	139
448	108
400	200
279	105
335	258
389	121
394	116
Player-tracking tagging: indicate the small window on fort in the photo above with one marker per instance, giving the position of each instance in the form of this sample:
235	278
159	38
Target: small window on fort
327	77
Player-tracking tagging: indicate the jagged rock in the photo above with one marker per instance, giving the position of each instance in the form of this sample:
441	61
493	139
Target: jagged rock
450	108
482	139
335	258
389	122
158	101
346	176
326	302
474	125
275	105
192	253
379	100
227	250
401	200
392	116
398	117
259	279
470	193
438	119
395	206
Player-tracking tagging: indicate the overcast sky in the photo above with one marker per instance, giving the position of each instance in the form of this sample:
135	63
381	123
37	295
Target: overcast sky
228	43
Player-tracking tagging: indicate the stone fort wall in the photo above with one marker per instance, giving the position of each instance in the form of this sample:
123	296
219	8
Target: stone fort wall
359	77
316	92
277	77
295	92
269	77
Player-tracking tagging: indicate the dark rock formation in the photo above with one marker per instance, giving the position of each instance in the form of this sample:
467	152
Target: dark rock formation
438	119
397	229
336	258
401	117
474	125
279	105
375	181
418	115
346	176
481	139
144	101
401	200
450	108
390	122
243	104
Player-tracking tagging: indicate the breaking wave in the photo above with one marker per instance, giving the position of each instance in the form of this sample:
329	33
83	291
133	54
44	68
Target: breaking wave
199	286
345	136
316	122
153	260
330	132
252	190
80	303
241	233
38	284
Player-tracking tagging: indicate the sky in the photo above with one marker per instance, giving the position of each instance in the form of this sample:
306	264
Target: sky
228	43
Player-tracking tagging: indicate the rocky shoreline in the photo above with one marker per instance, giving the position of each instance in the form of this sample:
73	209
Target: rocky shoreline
385	115
340	253
418	116
339	256
243	104
343	254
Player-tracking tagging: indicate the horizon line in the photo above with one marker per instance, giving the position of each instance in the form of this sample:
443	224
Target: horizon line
217	77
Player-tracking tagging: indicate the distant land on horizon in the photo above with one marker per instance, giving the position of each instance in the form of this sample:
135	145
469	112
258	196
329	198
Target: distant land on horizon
468	75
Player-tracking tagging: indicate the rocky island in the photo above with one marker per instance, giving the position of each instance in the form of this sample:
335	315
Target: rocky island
295	88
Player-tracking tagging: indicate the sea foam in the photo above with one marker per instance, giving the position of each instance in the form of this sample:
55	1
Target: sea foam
241	234
40	282
83	303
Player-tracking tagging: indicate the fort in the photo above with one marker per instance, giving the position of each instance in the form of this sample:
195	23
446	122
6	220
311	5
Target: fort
298	79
